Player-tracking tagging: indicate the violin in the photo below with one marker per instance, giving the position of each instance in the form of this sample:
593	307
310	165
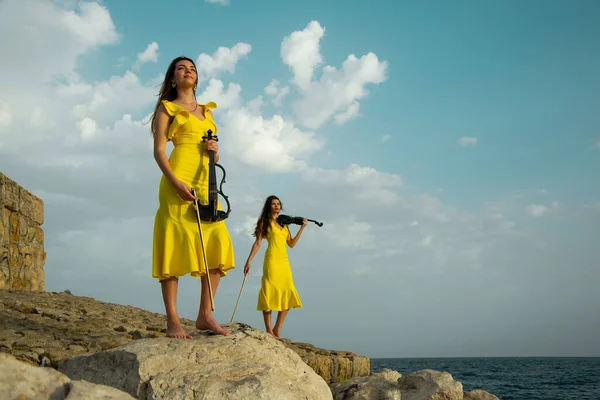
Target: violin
287	220
210	212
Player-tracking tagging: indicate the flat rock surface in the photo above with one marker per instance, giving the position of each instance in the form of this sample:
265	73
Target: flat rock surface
247	364
44	328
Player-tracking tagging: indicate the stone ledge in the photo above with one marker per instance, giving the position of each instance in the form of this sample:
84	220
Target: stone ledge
46	328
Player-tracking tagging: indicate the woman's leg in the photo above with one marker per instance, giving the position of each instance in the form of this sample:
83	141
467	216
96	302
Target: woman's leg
205	319
267	318
169	291
279	323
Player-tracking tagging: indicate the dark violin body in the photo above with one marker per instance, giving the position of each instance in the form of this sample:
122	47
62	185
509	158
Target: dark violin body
287	220
210	212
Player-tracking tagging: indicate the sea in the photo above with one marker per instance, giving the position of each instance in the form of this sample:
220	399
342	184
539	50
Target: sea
512	378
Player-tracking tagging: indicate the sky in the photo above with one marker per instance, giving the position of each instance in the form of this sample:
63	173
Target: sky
451	149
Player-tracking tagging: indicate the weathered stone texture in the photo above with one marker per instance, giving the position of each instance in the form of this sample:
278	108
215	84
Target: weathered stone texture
45	328
22	253
19	380
333	366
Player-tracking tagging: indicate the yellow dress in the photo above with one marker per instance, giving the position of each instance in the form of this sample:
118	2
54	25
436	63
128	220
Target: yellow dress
177	249
277	290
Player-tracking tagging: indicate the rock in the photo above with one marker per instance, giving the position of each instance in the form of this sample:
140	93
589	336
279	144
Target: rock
479	395
247	364
333	366
382	385
428	384
92	391
388	384
45	328
21	380
388	374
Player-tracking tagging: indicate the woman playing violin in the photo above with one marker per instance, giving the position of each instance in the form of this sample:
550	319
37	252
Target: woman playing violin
177	249
277	290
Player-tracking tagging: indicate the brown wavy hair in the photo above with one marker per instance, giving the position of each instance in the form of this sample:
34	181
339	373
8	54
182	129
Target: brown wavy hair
167	91
263	224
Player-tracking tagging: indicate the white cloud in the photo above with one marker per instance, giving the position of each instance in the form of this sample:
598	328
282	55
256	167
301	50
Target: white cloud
536	210
427	240
385	138
274	144
43	40
467	141
106	100
5	115
347	115
354	175
361	183
225	98
222	2
148	55
597	144
246	227
88	128
40	121
539	210
224	59
348	232
93	26
40	40
277	93
337	91
300	51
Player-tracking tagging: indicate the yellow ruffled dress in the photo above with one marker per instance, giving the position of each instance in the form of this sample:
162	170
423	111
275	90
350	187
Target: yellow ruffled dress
177	249
277	291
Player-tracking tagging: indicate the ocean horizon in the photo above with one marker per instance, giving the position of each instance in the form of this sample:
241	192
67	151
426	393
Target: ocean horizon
512	378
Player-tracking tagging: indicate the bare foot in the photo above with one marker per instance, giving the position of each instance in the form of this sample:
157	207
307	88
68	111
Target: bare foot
270	330
176	331
211	324
277	332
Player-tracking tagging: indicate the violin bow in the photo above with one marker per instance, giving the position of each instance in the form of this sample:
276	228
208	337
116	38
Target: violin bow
212	300
238	299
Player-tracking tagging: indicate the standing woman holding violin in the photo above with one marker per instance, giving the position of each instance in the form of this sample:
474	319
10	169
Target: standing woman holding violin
277	290
178	246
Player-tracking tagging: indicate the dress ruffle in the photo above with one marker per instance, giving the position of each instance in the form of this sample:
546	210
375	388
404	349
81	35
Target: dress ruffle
182	115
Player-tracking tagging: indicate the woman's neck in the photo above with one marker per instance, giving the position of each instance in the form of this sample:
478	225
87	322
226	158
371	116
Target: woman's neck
186	96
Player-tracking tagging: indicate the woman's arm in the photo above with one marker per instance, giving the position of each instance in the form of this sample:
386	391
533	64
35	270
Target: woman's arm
292	241
253	251
161	125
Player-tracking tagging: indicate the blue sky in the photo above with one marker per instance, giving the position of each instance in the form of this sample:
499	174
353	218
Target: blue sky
459	190
522	78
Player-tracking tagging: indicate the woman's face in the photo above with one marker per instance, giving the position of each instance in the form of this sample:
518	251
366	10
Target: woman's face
275	206
185	74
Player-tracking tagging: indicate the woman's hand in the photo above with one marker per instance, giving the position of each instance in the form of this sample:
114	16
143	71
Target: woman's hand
304	222
212	145
247	268
184	191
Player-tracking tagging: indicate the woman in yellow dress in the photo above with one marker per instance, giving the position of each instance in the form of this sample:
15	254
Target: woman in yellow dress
277	290
177	249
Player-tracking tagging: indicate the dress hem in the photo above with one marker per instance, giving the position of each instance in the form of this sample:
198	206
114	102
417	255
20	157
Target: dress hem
195	274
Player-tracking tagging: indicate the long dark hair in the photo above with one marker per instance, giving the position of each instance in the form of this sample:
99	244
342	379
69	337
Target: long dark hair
264	221
167	91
